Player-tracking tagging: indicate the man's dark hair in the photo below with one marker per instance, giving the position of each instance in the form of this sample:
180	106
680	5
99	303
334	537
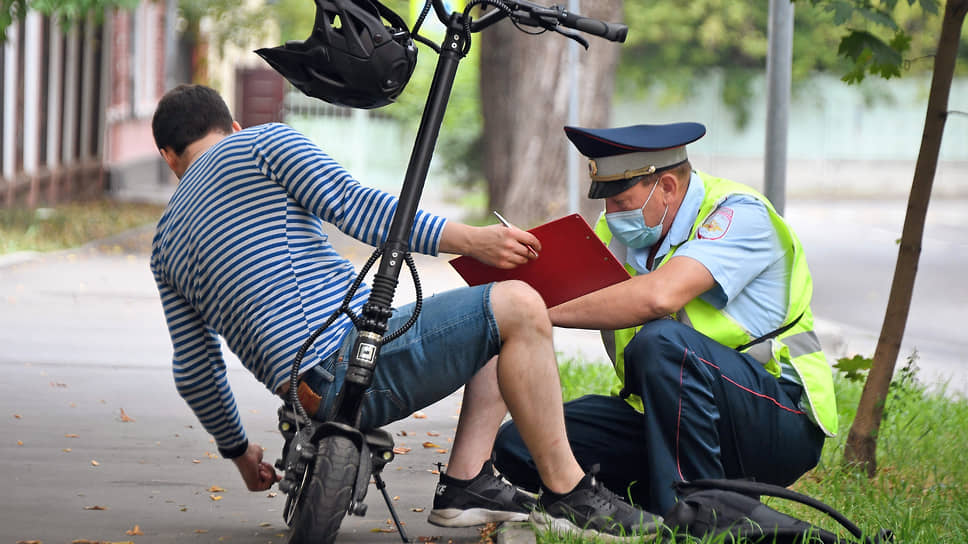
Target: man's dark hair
188	113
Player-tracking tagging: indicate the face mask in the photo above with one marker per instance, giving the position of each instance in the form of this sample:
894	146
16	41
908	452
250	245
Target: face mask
629	226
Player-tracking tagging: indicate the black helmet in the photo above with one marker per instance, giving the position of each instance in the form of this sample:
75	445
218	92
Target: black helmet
352	58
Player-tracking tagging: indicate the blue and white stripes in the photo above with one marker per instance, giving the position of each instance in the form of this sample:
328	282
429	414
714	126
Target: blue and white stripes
241	252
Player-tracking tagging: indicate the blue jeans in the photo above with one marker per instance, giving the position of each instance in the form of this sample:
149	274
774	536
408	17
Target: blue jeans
454	336
710	412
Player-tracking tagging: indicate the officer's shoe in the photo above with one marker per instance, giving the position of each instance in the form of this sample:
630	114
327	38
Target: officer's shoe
487	498
593	511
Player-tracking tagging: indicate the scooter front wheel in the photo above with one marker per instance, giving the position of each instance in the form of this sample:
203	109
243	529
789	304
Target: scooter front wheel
328	492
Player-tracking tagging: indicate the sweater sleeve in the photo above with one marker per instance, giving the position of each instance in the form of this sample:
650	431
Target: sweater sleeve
199	372
323	187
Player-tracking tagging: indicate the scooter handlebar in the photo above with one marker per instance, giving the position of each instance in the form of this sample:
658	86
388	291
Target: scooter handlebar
615	32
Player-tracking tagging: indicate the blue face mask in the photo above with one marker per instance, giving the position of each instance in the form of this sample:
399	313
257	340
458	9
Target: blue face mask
629	226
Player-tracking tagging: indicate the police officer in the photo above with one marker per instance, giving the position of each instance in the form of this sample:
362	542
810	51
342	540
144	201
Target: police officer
722	375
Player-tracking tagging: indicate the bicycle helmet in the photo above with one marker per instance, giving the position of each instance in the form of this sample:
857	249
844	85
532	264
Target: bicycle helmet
351	58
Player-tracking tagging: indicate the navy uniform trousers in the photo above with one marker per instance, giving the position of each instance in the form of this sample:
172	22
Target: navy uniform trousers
710	412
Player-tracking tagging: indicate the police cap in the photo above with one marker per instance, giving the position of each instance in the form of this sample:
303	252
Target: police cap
619	156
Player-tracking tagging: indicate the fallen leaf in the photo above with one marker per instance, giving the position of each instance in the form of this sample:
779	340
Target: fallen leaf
419	415
441	450
401	450
265	524
95	463
71	435
201	531
402	433
434	471
29	542
134	532
215	489
196	461
271	494
430	445
95	507
211	455
418	510
428	538
20	442
125	418
18	416
396	498
66	450
215	497
383	530
433	433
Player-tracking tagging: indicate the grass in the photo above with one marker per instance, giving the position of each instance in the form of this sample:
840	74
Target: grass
70	225
920	491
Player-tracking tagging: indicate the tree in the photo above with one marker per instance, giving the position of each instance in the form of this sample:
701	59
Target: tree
672	45
862	437
524	98
66	11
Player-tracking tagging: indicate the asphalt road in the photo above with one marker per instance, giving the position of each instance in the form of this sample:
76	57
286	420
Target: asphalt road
852	250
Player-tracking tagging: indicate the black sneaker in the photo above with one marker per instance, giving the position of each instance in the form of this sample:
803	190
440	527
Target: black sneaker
592	510
487	498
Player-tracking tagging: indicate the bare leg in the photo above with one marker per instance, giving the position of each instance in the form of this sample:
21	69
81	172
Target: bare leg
527	381
481	414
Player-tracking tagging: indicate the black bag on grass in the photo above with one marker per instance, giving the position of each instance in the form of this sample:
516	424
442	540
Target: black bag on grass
732	508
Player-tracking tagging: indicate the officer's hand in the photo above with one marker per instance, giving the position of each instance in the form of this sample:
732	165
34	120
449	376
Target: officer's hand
504	247
257	474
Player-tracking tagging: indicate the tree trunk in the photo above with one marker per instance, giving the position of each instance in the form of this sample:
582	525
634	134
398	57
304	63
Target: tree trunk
524	99
861	445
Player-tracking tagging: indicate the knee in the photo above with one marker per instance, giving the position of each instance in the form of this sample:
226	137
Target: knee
517	305
653	350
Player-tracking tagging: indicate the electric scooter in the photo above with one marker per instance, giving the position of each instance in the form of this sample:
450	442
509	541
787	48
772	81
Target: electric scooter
328	465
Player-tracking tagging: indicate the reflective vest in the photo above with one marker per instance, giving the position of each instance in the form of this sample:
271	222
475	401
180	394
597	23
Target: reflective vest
797	346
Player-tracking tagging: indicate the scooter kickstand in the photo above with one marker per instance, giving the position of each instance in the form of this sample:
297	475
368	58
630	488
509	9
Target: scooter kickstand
382	486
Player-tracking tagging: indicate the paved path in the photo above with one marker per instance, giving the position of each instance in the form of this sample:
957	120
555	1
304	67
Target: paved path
85	348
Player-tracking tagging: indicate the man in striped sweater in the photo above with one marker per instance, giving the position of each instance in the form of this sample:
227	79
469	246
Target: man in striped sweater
242	253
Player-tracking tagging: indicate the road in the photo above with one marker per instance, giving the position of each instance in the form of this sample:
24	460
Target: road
852	251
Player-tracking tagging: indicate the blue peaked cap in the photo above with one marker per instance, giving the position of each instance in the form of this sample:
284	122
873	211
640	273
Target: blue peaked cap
604	142
618	157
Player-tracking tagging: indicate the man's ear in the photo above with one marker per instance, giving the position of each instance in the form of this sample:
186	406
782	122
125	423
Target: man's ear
236	126
170	157
668	185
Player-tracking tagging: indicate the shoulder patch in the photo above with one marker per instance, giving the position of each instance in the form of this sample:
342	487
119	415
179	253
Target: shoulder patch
717	224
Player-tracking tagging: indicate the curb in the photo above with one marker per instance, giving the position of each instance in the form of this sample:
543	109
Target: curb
20	257
519	532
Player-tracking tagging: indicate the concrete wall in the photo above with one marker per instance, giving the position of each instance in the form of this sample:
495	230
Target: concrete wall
844	141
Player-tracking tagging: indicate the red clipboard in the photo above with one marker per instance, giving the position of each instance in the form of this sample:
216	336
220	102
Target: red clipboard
573	262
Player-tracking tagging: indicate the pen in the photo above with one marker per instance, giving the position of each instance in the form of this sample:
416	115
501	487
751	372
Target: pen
508	225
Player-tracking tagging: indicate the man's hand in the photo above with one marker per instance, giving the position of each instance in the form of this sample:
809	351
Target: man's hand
495	245
258	475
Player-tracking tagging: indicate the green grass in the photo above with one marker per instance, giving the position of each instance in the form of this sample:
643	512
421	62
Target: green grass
70	225
920	491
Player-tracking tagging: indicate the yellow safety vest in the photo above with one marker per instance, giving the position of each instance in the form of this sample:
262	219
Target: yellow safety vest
798	346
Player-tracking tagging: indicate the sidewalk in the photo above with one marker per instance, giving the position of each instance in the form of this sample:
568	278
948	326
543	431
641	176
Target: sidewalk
97	440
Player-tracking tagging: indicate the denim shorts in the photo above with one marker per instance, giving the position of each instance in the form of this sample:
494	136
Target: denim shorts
454	336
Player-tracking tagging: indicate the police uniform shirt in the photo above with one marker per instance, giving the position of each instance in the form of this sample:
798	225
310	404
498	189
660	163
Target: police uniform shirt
739	246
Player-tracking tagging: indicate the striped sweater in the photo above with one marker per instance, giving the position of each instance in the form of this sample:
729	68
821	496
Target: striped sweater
241	252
